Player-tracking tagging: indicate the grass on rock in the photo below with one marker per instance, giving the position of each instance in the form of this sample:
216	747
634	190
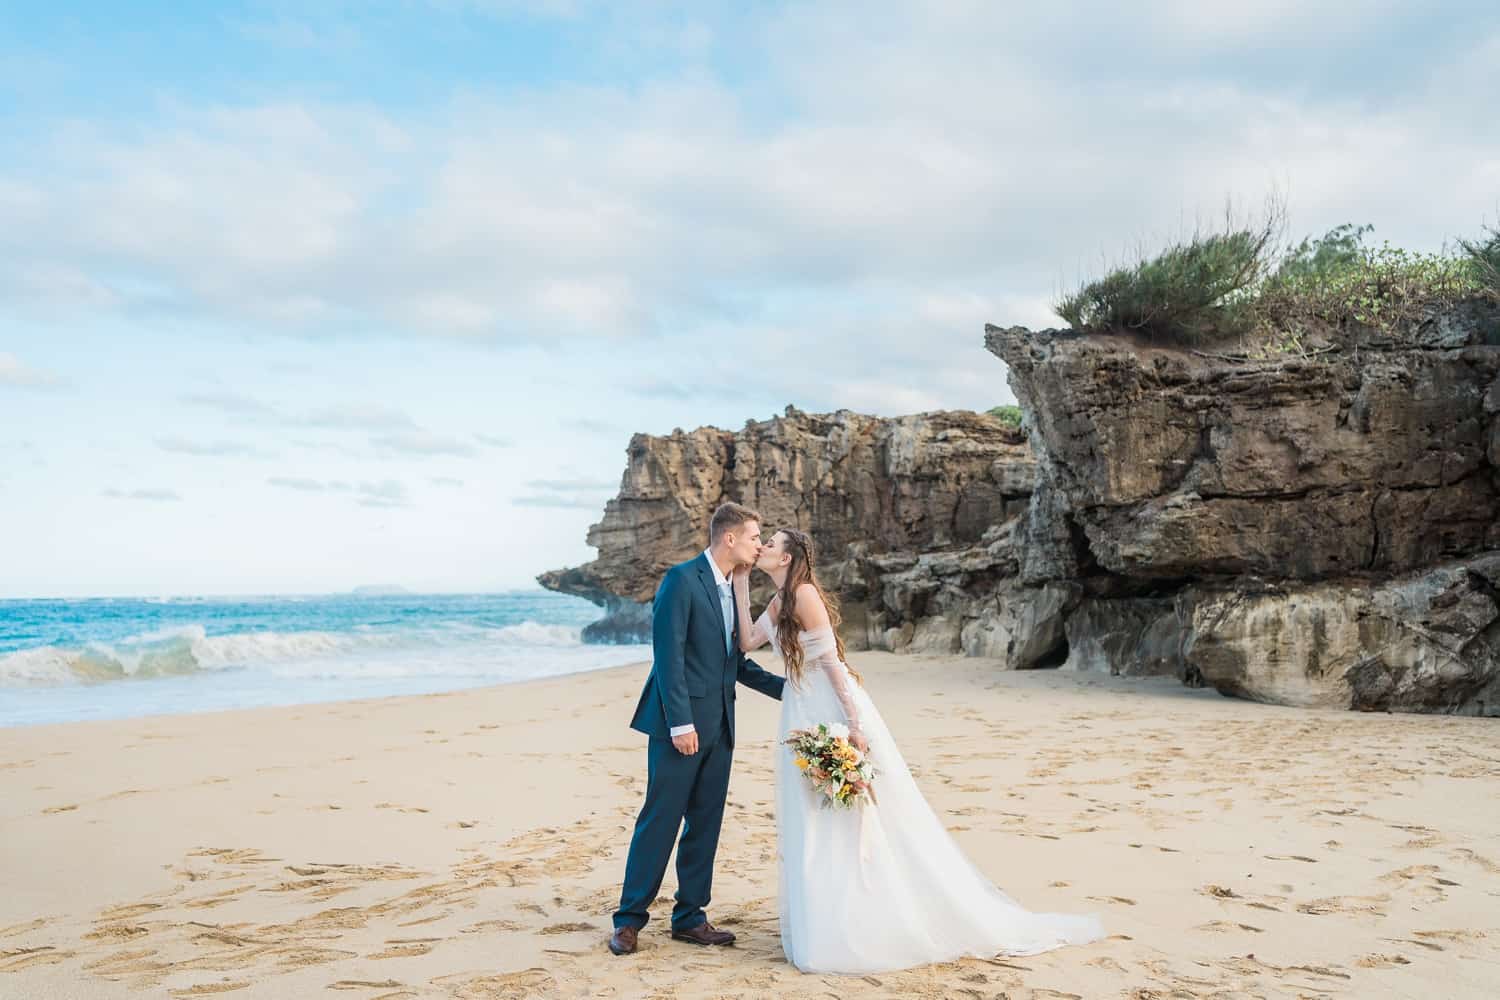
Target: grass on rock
1242	283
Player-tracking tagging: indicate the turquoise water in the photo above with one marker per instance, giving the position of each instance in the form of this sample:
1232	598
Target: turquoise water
102	658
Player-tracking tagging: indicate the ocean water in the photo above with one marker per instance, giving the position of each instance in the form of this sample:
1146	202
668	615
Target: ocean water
109	658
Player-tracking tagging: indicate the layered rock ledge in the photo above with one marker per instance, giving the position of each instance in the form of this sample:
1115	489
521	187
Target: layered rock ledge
902	512
1311	530
1320	529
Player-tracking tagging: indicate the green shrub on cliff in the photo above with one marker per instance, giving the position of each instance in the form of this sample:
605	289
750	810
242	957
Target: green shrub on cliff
1010	416
1484	259
1336	252
1328	282
1239	284
1192	291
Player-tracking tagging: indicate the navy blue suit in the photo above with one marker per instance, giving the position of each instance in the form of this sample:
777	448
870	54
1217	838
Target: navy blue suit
692	680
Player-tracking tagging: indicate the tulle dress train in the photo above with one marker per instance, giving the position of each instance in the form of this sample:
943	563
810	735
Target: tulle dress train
883	886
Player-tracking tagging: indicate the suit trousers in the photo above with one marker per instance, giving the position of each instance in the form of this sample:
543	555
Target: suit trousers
685	792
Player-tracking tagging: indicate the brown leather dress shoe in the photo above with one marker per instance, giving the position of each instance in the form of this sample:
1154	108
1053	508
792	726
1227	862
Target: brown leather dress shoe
622	942
704	933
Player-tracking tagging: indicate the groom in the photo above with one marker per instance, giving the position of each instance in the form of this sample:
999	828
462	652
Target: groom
687	708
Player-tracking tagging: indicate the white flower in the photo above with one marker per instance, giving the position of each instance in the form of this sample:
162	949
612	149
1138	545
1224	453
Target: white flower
838	731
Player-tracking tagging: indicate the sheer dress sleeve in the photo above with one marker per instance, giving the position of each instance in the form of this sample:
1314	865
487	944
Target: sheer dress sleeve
838	676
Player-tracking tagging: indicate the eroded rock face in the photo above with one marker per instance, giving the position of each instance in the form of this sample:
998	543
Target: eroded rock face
1312	531
1426	641
901	511
1320	531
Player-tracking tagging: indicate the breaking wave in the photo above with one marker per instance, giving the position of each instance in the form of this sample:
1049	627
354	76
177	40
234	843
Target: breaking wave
188	649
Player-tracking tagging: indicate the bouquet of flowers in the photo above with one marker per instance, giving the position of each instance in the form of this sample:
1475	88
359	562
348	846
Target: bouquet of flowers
837	769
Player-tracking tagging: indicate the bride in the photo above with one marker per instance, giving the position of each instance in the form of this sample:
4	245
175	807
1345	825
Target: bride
880	886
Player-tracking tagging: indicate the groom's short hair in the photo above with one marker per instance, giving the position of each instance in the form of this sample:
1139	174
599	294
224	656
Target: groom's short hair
728	517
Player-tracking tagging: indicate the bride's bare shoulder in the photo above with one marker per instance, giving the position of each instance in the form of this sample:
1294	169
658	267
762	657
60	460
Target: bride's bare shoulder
809	608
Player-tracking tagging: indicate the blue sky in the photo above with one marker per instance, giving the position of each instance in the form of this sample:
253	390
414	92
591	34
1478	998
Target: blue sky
300	296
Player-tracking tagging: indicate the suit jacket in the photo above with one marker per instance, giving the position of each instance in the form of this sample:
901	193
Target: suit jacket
692	676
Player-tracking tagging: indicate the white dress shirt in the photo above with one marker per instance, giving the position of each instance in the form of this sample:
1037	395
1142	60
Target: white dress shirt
720	582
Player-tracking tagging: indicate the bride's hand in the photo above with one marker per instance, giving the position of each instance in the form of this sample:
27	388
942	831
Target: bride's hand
859	742
741	574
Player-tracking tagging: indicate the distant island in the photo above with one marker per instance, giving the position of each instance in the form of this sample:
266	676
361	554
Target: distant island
378	590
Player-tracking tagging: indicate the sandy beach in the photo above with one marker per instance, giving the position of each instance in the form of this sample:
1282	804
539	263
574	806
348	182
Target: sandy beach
470	844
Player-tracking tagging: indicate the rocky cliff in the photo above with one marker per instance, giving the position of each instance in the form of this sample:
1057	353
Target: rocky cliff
1320	529
903	513
1309	530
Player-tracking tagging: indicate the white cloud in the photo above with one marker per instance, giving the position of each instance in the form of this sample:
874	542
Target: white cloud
302	483
231	403
598	485
925	169
386	493
20	376
581	492
156	495
609	213
589	425
357	416
422	443
214	449
380	493
559	500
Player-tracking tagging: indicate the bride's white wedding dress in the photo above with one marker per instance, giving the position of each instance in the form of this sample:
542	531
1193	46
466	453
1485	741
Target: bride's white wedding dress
882	886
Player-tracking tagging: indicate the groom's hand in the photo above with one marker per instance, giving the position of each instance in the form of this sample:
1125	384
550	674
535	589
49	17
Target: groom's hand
686	744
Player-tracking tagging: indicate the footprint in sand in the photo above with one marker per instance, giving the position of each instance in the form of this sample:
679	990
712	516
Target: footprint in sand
1225	926
116	932
1382	961
1372	905
26	928
206	989
365	984
405	949
1478	859
1453	937
527	983
16	959
126	912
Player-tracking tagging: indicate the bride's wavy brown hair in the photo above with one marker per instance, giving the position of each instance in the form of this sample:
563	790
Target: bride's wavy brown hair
799	545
